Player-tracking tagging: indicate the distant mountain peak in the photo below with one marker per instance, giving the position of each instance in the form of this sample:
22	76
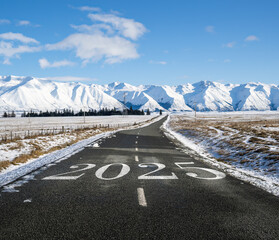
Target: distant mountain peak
24	93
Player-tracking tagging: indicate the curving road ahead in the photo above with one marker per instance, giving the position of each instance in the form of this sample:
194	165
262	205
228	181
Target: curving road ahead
135	185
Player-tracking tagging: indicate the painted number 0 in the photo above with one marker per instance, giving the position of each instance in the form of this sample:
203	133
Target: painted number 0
124	170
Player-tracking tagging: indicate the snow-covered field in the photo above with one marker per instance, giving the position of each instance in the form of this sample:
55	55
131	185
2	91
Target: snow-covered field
37	125
28	155
13	151
245	144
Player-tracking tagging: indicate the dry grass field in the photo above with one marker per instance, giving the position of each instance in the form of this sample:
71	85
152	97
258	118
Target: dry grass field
21	149
245	140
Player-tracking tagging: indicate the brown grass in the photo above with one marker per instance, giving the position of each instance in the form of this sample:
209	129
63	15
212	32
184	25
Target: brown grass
4	164
258	145
80	134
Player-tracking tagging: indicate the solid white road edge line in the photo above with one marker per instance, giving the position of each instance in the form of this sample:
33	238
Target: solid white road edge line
141	197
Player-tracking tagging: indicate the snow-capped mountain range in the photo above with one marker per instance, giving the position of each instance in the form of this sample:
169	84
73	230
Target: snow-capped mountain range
25	93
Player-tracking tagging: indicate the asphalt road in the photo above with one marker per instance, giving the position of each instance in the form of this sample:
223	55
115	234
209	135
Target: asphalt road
135	185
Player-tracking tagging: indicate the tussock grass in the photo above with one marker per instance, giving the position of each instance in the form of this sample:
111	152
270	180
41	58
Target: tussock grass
245	142
37	143
4	164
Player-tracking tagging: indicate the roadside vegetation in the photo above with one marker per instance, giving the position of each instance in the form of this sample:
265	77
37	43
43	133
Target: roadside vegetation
250	144
20	150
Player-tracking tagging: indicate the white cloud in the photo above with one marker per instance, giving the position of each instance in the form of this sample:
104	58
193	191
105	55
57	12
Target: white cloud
93	28
90	9
251	38
230	44
5	21
126	27
158	62
7	61
106	38
210	29
94	47
16	44
44	63
17	36
227	60
24	23
8	50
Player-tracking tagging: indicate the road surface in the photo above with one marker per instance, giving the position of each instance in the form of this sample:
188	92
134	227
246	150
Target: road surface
135	185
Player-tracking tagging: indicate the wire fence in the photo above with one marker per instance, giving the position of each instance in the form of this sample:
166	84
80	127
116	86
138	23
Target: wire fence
22	133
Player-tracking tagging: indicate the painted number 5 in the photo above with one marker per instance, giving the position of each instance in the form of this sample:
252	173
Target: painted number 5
218	175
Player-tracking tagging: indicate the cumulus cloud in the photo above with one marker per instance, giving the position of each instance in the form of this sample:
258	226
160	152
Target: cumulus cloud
9	50
251	38
24	23
108	38
210	29
89	9
44	63
129	28
93	28
4	21
7	61
17	36
14	44
230	44
93	47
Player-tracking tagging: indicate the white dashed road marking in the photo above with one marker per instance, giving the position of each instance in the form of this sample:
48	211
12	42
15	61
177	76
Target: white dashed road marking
141	197
137	149
136	158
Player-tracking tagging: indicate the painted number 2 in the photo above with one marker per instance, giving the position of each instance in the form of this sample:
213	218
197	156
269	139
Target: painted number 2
63	177
160	166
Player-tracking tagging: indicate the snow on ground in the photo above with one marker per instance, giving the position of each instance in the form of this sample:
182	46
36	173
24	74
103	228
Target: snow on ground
21	126
46	143
244	144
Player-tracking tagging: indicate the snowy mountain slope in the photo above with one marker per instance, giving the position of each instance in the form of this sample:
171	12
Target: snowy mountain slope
274	97
35	94
134	96
251	96
25	93
168	98
208	96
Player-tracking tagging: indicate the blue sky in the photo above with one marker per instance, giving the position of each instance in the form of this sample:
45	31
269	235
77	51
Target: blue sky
140	41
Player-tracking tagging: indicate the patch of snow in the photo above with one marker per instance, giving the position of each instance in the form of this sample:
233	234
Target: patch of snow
259	179
96	145
17	171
